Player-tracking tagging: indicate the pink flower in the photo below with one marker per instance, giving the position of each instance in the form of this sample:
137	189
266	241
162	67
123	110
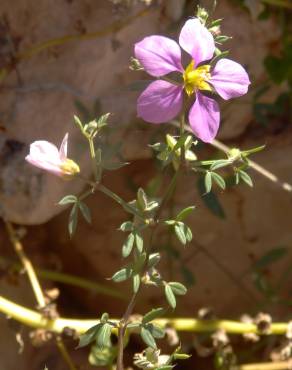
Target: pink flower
161	101
46	156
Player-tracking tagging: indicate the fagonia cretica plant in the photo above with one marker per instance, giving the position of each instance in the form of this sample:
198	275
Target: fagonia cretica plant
190	76
202	78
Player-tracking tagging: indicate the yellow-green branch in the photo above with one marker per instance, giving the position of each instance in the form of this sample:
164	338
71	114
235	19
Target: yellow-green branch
36	287
34	319
25	261
282	365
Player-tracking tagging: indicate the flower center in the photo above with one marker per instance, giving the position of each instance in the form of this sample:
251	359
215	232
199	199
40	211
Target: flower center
69	167
196	78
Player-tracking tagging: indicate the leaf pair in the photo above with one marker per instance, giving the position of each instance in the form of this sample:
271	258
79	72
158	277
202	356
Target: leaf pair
100	333
149	332
78	205
172	289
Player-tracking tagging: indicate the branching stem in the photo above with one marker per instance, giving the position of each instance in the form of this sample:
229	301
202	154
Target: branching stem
34	282
36	287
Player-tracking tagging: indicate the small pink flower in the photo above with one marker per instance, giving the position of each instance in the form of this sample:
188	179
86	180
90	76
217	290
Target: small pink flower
46	156
161	101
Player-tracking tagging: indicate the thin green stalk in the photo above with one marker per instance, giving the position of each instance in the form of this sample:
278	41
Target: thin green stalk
119	200
281	3
169	191
122	329
181	132
86	194
69	279
93	158
65	354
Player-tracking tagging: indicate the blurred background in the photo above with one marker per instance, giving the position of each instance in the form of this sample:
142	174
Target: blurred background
71	57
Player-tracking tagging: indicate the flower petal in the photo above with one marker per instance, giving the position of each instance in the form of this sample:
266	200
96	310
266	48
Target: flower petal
159	55
44	165
44	155
64	147
204	118
44	149
229	79
197	41
160	102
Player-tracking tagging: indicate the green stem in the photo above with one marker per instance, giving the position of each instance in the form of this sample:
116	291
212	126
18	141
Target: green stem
93	159
169	192
61	277
122	329
281	3
65	354
119	200
181	132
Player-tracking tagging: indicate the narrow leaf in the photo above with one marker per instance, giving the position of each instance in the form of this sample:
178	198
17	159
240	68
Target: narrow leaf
73	220
136	283
152	315
85	211
103	336
156	331
142	199
104	318
139	241
220	163
177	288
188	233
170	296
128	245
78	123
246	178
219	180
88	336
185	213
270	257
122	275
67	200
208	182
180	232
181	356
153	259
211	201
126	226
148	338
165	367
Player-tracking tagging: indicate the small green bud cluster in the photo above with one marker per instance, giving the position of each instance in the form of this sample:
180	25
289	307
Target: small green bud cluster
92	128
170	151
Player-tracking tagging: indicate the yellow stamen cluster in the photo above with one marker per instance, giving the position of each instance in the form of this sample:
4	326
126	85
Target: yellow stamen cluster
69	168
196	78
